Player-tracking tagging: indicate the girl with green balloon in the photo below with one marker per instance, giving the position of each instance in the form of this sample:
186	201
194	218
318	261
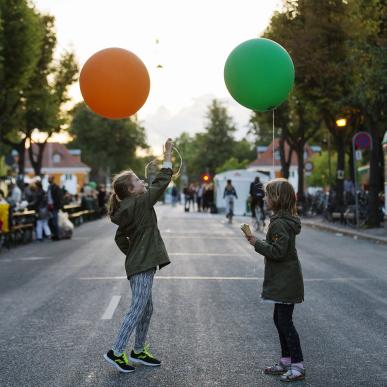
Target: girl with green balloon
259	74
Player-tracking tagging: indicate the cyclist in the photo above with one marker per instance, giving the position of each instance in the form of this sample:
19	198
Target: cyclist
229	193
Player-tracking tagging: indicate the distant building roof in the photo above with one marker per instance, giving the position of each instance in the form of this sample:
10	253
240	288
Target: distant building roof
56	155
266	158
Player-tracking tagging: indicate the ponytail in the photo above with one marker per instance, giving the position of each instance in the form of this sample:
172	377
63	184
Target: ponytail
121	185
113	204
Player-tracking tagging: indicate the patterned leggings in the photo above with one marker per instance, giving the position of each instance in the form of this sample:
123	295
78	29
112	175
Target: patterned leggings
139	314
290	342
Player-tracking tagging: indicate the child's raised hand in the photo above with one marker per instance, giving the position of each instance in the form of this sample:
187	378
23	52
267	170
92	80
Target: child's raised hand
168	146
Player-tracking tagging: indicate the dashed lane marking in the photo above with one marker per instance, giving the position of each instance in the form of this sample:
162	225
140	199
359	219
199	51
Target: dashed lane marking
111	308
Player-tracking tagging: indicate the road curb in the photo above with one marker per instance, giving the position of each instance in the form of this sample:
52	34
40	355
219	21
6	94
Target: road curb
351	233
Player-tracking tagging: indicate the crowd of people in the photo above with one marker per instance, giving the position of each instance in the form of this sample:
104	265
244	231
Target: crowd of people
199	197
51	222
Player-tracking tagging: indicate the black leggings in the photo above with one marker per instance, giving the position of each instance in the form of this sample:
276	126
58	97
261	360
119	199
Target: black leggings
290	342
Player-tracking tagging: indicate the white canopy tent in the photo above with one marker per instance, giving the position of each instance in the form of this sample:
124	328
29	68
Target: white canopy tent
241	180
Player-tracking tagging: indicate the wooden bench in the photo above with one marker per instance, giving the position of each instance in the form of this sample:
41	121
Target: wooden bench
80	216
345	215
22	227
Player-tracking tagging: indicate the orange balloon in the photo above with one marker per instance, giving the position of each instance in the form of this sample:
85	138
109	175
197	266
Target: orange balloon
114	83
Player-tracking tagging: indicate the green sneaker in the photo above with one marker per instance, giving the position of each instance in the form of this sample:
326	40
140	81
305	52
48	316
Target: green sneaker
120	362
144	357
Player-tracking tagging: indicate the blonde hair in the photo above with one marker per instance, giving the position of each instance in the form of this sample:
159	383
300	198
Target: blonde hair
281	195
121	185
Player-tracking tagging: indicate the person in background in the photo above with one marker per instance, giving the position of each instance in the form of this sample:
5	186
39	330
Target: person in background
229	194
191	196
174	194
101	199
40	205
14	195
186	198
199	197
257	194
54	197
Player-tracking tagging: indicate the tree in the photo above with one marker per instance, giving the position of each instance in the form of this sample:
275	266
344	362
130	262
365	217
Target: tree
218	140
231	164
215	149
108	146
20	41
47	92
260	126
314	33
368	98
281	122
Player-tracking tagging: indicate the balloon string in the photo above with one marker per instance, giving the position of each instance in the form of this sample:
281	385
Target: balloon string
175	175
273	144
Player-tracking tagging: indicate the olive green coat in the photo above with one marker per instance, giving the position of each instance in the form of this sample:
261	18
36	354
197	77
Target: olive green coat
138	236
283	280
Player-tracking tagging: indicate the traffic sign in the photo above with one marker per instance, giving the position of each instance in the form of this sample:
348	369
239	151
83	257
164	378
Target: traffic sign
362	140
308	166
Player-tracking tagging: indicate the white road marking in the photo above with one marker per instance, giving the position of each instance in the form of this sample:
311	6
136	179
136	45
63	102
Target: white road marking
176	277
199	237
208	278
33	258
210	254
111	308
24	259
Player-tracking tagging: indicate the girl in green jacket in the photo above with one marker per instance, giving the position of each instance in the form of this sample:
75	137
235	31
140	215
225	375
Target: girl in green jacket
138	237
283	282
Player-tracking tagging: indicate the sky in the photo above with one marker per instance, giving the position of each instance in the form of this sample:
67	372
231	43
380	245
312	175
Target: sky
191	39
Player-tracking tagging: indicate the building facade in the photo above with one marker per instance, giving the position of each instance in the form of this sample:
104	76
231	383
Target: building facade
63	164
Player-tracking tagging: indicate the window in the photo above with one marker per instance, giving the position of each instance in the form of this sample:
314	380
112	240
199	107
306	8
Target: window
56	158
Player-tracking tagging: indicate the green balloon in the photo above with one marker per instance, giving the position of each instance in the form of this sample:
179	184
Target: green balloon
259	74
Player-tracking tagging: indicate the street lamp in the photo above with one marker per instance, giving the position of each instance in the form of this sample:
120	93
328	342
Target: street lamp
341	122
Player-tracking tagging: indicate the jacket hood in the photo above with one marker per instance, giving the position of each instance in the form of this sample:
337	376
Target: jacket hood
293	221
122	216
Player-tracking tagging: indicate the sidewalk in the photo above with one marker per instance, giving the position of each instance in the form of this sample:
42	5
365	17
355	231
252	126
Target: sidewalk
378	235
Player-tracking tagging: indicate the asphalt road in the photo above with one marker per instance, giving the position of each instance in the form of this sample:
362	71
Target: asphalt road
58	314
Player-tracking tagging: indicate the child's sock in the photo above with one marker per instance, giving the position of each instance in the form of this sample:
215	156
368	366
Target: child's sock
137	351
299	365
286	360
118	354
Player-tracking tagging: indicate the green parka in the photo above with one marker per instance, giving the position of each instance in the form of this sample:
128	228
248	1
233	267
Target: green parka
283	280
138	236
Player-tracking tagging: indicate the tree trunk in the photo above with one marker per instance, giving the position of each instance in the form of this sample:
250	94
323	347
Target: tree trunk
376	177
350	161
285	159
300	155
36	162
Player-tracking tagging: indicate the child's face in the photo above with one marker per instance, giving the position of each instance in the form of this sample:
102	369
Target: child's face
138	186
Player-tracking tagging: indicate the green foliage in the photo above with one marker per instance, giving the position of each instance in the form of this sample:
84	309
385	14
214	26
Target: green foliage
215	149
218	141
231	164
20	41
3	166
108	146
319	177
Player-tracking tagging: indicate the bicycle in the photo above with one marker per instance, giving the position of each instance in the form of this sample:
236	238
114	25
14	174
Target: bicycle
230	207
259	220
